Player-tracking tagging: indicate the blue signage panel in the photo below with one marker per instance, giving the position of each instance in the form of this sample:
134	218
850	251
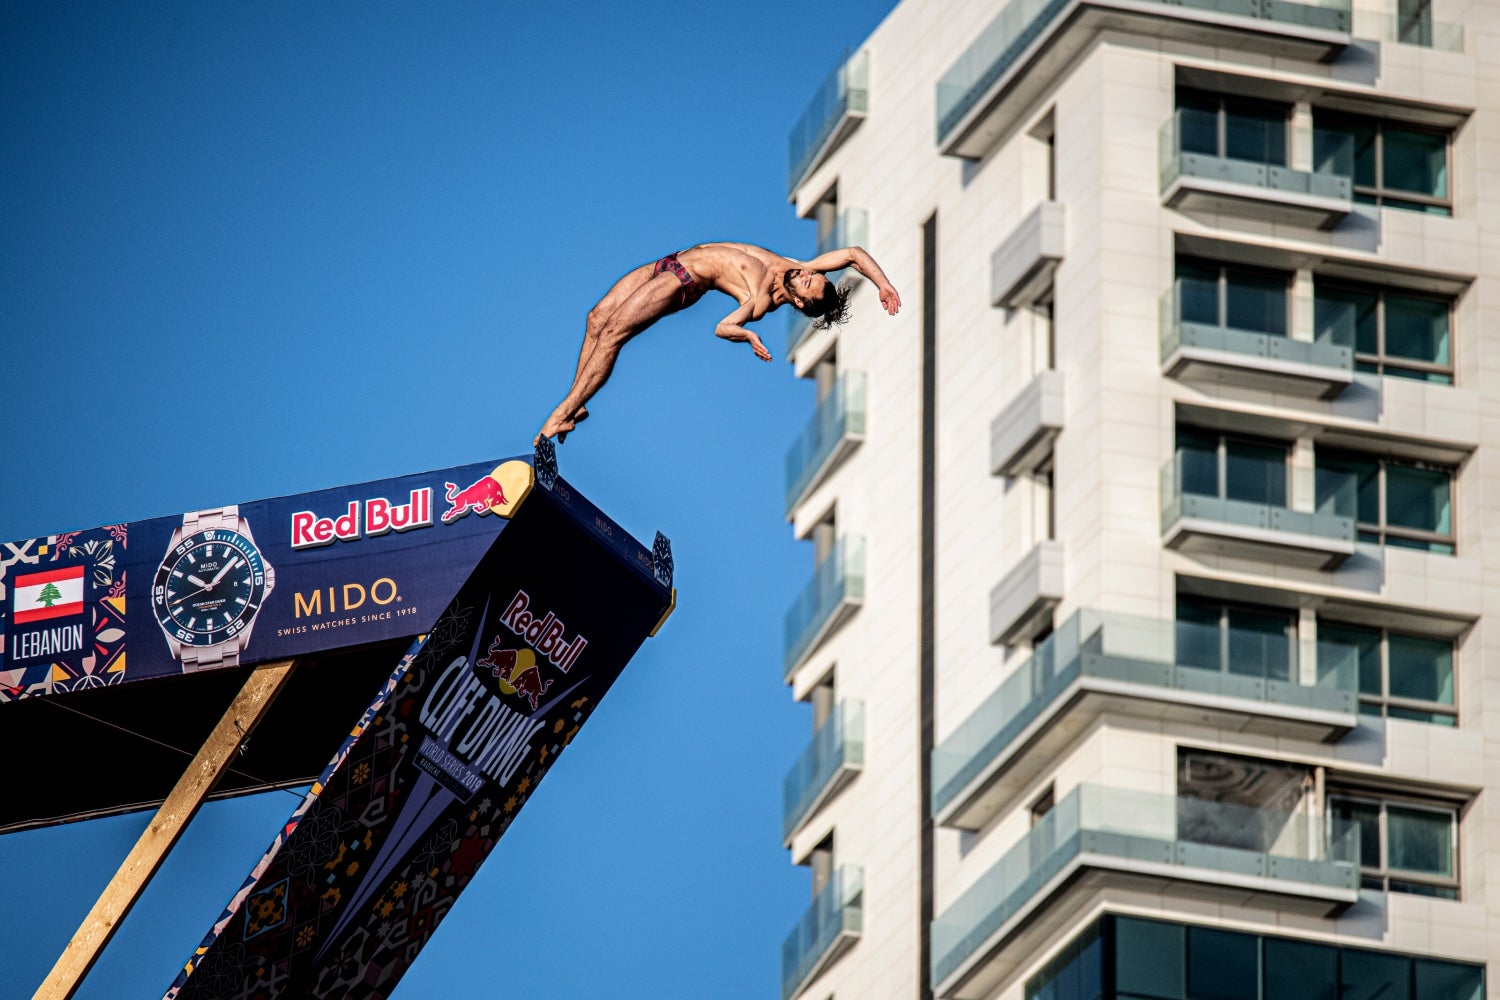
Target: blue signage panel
252	582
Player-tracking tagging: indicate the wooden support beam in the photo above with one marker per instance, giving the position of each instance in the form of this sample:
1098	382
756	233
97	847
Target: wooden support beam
162	834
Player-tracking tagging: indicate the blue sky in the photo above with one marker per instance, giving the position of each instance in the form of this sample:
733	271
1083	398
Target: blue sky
256	249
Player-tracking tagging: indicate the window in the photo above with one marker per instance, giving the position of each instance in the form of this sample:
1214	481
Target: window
1399	676
1394	165
1236	639
1044	503
823	697
1404	846
820	862
1077	973
1402	504
1250	470
1414	22
1392	333
1043	803
1232	128
1232	296
1158	960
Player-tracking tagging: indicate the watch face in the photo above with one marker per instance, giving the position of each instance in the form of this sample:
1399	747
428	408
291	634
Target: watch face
209	587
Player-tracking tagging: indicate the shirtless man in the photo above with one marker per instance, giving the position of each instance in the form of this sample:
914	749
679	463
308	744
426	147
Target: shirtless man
759	280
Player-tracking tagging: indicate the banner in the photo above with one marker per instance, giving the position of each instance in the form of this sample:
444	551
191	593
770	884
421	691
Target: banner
443	760
258	581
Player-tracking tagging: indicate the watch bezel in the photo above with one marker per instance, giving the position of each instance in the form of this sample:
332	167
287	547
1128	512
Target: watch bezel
196	639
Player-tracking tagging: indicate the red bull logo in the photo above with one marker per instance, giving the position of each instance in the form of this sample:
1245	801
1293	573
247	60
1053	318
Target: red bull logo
481	496
517	672
545	633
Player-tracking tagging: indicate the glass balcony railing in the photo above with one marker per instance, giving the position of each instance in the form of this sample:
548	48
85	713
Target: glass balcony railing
843	98
1177	503
1198	837
1424	33
836	589
1170	656
837	424
835	919
1271	178
852	229
1177	332
1022	22
838	747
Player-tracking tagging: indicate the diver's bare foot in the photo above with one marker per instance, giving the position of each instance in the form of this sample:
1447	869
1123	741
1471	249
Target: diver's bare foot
554	428
581	415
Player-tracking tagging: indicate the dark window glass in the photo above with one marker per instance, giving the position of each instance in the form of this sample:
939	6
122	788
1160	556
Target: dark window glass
1255	301
1301	970
1198	122
1150	959
1198	454
1415	161
1371	975
1198	634
1260	643
1449	981
1350	655
1392	165
1223	965
1198	291
1416	328
1418	498
1348	487
1077	973
1255	132
1421	668
1255	473
1347	317
1419	840
1414	22
1367	815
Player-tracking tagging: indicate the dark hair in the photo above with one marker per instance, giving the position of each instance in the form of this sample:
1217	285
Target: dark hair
832	307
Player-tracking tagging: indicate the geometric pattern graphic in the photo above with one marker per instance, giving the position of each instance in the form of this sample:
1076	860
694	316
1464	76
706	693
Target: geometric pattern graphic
100	659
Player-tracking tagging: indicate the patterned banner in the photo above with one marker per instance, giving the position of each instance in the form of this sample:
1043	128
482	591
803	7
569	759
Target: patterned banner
440	764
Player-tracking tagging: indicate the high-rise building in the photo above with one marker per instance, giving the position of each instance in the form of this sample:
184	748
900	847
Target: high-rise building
1149	629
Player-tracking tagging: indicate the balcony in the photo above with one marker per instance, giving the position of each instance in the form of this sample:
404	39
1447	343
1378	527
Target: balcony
835	755
1196	182
852	229
1217	851
1021	437
982	97
1021	268
1022	603
1098	663
835	592
1256	359
829	928
837	427
1212	525
835	111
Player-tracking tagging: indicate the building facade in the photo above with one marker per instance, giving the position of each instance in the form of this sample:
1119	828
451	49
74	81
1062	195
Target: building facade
1149	632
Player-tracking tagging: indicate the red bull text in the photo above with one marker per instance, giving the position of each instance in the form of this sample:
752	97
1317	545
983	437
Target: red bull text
380	516
544	634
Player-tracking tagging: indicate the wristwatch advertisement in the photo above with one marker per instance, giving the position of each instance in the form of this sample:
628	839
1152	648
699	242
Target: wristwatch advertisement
209	587
264	580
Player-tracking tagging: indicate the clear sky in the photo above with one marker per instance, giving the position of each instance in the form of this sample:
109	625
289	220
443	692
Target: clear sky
255	249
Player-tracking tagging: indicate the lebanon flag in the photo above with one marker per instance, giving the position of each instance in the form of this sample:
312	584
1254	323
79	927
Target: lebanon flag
50	594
